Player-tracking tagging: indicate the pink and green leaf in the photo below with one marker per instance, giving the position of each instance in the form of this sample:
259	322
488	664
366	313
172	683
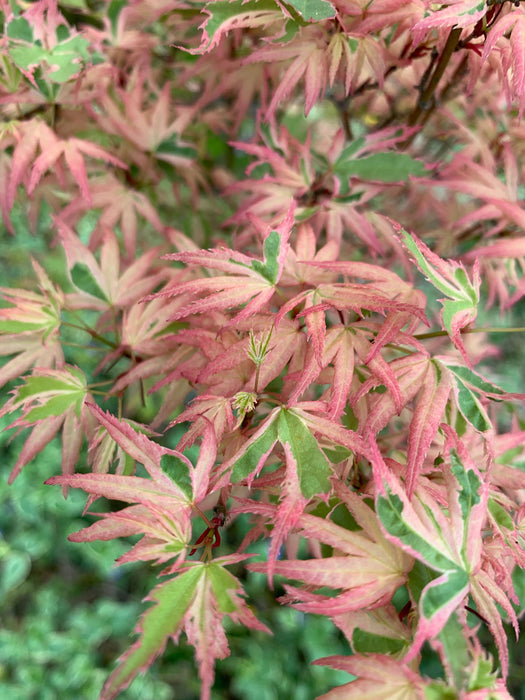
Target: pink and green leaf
404	527
431	402
163	620
378	676
312	466
225	16
450	278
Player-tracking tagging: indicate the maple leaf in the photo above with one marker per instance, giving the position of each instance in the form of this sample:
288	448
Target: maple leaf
234	367
147	343
33	135
306	471
259	277
194	480
408	373
450	278
100	285
448	542
470	387
199	597
73	151
30	327
120	206
41	40
457	13
152	136
420	379
514	59
166	531
482	182
367	568
163	509
50	399
379	630
216	410
428	412
379	676
226	15
310	61
197	600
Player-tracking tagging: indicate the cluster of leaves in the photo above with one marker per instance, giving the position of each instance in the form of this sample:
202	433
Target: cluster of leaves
283	152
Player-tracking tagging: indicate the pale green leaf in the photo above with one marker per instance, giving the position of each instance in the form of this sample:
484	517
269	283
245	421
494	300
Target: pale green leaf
19	28
364	642
178	471
500	515
157	624
83	279
222	582
254	453
382	167
471	408
313	469
313	9
270	268
478	382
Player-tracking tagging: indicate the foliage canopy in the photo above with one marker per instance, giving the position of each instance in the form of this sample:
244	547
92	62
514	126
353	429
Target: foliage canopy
279	222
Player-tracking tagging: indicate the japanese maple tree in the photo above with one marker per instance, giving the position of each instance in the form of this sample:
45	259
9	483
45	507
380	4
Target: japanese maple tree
279	222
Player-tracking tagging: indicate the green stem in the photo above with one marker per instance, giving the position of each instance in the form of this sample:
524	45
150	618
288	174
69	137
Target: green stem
92	333
493	329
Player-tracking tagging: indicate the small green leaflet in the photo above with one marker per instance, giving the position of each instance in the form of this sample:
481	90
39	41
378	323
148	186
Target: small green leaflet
478	382
315	10
471	409
383	167
469	485
364	642
179	472
84	280
436	690
222	582
255	452
312	467
500	515
171	147
452	636
19	28
114	10
460	308
269	269
438	596
22	326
